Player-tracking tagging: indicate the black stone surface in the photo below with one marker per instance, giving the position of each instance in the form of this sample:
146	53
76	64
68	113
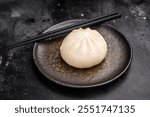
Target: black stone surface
19	19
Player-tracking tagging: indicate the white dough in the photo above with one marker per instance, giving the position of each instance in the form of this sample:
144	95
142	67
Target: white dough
83	48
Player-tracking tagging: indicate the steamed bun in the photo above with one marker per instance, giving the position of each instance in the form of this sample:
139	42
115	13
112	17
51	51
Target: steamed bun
83	48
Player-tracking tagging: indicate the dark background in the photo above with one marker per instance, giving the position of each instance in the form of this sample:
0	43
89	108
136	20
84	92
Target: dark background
19	19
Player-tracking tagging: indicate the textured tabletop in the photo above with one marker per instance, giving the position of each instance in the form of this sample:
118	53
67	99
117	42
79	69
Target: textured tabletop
19	19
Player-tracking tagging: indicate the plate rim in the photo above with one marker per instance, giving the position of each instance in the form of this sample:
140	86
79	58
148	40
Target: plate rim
84	86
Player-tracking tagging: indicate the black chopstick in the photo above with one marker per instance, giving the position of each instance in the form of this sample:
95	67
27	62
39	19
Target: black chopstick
76	24
60	31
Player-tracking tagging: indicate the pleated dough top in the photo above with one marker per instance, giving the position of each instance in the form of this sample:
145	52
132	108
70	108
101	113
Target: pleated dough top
83	48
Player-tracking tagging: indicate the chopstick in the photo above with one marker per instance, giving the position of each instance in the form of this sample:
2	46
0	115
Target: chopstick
58	32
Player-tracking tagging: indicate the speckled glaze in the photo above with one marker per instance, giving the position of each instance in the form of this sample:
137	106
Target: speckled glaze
48	60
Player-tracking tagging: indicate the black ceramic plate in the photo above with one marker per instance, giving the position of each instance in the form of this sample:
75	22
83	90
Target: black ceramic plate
48	60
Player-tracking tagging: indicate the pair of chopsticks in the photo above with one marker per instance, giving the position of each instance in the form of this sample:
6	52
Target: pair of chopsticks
64	30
